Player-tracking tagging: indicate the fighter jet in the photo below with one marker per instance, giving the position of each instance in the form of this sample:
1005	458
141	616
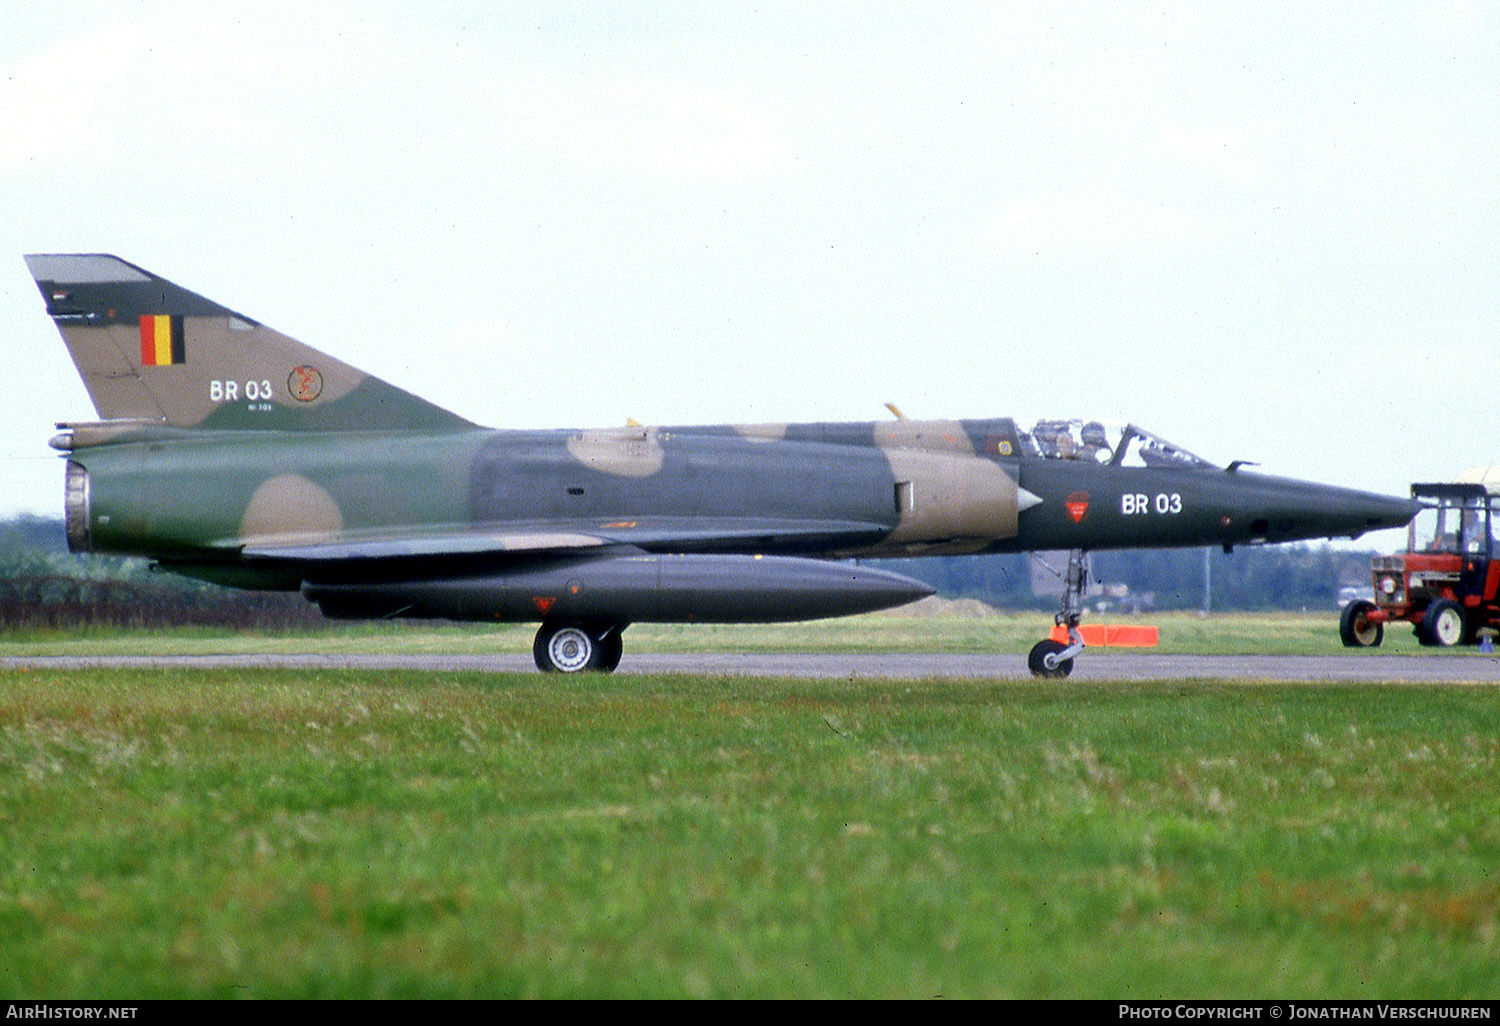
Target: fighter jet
229	452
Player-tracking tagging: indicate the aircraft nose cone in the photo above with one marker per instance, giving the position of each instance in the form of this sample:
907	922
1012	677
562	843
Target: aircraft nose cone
1294	510
1390	511
1353	513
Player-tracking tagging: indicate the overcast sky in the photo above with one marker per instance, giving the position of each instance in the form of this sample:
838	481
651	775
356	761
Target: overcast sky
1268	235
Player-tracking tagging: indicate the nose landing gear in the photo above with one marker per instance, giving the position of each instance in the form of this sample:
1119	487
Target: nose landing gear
1050	658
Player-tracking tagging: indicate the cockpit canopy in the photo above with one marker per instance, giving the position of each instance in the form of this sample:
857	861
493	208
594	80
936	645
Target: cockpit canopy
1119	445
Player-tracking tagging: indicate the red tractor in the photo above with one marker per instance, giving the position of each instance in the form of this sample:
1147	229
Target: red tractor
1445	583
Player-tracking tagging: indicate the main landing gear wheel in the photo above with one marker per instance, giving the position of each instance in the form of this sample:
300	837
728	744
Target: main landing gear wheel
1355	628
575	648
611	647
1443	623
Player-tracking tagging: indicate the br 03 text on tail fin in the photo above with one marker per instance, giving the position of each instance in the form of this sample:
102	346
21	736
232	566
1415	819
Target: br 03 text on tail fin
227	451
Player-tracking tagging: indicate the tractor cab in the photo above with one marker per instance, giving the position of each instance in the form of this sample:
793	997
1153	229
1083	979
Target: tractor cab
1455	520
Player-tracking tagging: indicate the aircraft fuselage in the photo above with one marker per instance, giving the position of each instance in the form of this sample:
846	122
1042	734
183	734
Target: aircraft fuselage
247	502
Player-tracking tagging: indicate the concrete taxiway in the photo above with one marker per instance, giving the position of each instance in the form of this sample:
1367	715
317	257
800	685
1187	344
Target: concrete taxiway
1446	668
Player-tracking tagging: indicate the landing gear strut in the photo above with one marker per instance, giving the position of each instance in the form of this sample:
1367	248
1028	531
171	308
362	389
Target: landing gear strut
575	648
1050	658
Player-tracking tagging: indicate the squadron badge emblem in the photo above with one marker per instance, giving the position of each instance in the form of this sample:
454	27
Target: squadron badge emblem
305	384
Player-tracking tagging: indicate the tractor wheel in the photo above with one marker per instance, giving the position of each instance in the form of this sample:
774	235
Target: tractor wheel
1355	628
1443	623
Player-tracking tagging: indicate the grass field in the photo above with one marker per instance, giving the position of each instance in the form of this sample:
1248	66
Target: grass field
285	833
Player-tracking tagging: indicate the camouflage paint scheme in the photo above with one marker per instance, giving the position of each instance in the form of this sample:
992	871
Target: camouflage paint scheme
260	462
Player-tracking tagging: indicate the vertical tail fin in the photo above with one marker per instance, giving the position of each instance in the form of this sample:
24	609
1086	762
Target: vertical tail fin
151	350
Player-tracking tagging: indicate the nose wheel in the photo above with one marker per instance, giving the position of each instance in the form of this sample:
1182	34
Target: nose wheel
578	648
1049	658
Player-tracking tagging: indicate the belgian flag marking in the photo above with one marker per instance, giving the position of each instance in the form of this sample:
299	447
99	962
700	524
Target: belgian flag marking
162	340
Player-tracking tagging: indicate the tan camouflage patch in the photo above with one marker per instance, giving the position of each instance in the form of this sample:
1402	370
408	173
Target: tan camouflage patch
289	507
931	435
623	452
945	498
108	366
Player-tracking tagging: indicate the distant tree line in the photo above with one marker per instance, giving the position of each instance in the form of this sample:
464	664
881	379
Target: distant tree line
1275	577
42	585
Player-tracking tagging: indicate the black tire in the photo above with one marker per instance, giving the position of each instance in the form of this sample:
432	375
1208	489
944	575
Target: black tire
1444	623
1037	660
1355	628
565	648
